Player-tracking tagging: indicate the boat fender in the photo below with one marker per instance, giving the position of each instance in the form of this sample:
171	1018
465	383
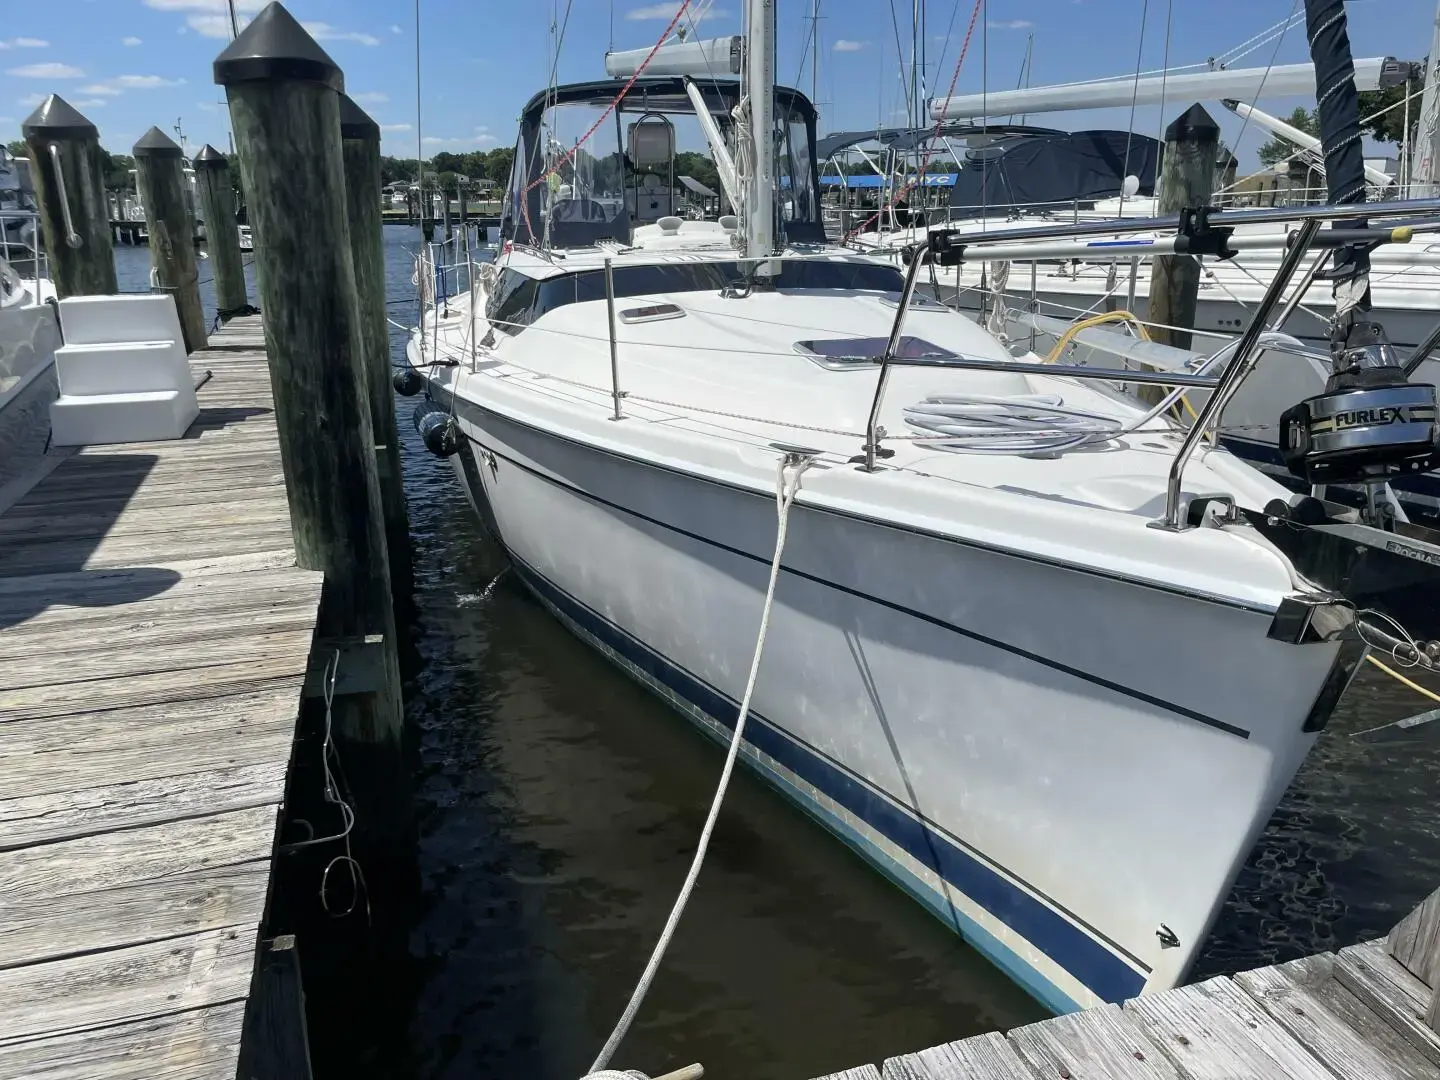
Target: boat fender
408	382
437	429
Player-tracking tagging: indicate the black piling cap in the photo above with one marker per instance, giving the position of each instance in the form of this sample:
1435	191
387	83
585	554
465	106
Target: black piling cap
1194	125
56	118
156	144
210	158
276	47
355	122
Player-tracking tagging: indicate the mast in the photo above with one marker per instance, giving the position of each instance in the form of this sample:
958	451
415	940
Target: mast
815	52
1425	158
760	89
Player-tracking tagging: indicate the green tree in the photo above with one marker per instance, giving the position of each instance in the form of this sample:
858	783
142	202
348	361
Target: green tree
498	163
698	167
1278	149
115	169
1389	127
17	148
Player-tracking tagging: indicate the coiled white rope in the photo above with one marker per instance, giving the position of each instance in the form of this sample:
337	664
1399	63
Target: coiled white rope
787	483
1014	424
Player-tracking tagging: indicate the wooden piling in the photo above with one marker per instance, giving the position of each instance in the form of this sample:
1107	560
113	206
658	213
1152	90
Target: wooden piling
160	177
427	209
445	212
1187	179
360	142
284	98
71	193
222	236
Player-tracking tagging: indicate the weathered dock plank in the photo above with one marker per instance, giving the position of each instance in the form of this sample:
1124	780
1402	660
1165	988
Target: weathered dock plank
1214	1031
1100	1044
154	639
97	989
191	1045
985	1057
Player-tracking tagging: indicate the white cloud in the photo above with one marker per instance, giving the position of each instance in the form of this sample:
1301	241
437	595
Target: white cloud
395	28
394	127
144	82
1011	24
130	42
101	89
662	10
31	100
325	32
216	26
46	71
485	140
221	6
29	43
370	97
843	45
89	103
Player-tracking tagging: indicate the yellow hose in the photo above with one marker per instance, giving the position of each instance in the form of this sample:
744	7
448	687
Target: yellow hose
1100	320
1402	679
1095	320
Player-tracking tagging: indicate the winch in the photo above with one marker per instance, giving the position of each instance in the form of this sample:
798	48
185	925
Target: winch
1369	425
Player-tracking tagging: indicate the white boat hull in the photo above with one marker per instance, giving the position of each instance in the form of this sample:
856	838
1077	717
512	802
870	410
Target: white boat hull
1061	765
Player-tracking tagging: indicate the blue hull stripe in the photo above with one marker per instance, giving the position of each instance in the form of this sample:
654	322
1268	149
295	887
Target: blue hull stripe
1091	963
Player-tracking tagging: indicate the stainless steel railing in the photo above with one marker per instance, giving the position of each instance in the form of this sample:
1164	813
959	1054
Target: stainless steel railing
1223	386
13	251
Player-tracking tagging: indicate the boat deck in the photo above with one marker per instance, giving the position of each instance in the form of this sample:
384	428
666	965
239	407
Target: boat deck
1364	1013
154	639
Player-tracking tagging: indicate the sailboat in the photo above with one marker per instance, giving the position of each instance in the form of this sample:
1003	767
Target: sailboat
1029	648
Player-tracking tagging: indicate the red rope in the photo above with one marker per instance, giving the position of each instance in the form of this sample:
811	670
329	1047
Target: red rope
930	151
570	154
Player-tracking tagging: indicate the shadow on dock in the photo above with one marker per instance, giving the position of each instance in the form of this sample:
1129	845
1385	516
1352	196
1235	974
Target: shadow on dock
50	536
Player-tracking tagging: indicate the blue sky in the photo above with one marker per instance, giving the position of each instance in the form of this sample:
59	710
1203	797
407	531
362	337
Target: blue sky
128	64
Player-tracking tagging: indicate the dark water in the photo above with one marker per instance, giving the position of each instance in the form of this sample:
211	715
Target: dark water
557	808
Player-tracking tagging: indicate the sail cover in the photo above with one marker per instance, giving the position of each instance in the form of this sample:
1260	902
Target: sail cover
1338	102
1025	172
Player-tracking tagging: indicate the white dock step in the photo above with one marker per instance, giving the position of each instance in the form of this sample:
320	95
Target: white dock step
101	320
120	367
145	416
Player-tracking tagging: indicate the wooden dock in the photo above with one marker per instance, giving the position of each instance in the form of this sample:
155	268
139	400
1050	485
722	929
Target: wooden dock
1365	1013
154	639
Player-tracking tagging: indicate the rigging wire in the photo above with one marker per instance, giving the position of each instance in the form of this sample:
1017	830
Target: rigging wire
930	148
1164	79
1274	55
1135	94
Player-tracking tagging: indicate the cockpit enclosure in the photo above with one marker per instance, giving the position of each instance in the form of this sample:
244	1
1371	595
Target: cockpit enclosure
565	193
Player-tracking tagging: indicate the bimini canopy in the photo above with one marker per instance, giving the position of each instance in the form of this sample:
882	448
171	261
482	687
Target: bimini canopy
586	221
905	138
1029	172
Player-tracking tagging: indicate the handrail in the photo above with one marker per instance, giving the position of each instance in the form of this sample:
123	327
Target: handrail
1235	371
615	393
1223	388
72	238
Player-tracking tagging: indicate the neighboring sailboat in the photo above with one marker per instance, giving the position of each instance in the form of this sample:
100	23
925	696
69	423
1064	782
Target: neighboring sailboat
1021	655
1403	287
